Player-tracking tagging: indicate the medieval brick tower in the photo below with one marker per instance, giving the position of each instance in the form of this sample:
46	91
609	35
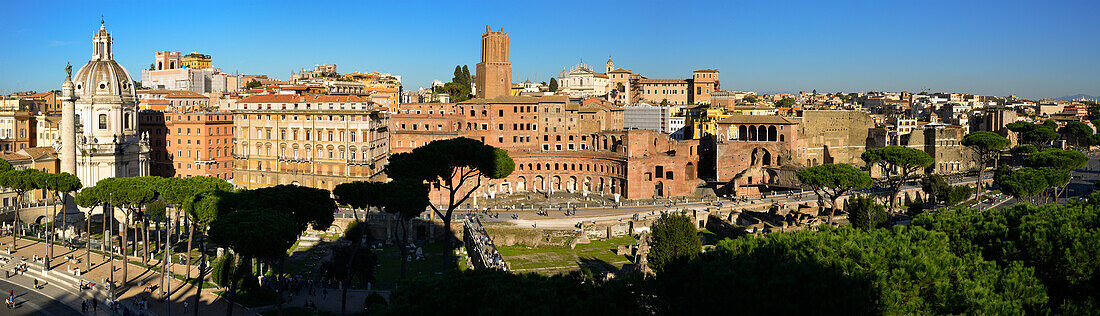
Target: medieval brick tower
494	72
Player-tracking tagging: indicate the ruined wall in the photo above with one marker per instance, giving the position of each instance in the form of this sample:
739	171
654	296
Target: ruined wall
835	136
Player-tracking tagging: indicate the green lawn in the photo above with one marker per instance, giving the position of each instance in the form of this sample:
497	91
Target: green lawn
522	257
438	258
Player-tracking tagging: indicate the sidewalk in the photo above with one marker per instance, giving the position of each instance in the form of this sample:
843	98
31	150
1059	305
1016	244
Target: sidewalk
134	292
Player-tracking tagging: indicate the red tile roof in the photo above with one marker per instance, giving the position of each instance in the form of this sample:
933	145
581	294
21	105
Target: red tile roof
286	98
663	81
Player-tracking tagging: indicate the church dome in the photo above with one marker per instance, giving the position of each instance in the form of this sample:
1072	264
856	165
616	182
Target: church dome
102	76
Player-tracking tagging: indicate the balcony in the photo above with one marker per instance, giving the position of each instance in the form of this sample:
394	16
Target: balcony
295	159
236	156
359	162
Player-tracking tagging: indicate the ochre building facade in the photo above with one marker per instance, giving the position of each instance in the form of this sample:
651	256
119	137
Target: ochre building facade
313	140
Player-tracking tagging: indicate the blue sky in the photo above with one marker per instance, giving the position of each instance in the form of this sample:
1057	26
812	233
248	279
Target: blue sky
1028	48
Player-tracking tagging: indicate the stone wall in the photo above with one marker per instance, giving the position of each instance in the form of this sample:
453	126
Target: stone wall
835	136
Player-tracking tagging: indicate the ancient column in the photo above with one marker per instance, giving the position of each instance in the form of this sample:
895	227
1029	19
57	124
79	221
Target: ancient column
68	124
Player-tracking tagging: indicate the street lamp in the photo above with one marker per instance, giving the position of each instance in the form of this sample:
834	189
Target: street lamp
53	225
111	286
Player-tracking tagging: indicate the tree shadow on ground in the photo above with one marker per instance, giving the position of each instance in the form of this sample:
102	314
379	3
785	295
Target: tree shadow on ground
596	265
723	229
437	255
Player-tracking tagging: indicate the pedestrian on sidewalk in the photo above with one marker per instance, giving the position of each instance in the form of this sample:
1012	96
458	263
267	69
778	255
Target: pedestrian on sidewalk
95	305
185	307
84	306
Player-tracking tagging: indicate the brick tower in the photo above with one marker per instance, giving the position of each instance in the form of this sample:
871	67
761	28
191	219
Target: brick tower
494	72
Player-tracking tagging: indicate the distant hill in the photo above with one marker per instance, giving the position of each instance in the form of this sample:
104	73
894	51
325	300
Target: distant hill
1077	96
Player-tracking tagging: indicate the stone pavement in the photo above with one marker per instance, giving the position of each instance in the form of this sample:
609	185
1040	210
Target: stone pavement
130	294
329	302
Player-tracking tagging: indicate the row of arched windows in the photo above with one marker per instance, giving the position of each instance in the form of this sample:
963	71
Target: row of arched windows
558	183
762	133
603	168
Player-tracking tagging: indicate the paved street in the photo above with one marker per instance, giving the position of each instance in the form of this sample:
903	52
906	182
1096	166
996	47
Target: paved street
27	302
129	295
1083	178
1079	186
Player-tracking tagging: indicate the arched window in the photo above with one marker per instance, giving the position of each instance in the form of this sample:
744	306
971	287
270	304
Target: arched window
126	122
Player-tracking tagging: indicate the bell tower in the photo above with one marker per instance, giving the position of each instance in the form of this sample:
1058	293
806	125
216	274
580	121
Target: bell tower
494	72
102	44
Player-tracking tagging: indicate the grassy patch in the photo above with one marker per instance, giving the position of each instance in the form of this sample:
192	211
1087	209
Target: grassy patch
438	258
709	237
525	257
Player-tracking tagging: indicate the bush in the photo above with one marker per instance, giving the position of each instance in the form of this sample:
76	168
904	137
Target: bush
865	213
673	237
1023	150
220	272
902	271
374	301
914	209
1060	242
957	194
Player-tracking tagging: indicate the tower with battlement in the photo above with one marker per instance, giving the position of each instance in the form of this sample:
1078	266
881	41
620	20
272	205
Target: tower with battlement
494	72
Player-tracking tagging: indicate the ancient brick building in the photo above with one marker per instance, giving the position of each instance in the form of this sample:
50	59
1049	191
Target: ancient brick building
835	136
754	153
557	144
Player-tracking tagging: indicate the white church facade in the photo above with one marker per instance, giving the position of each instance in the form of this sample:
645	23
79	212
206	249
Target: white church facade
100	136
583	82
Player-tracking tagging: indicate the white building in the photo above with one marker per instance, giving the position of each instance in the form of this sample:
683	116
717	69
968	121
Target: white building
99	119
675	125
203	81
654	118
582	82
